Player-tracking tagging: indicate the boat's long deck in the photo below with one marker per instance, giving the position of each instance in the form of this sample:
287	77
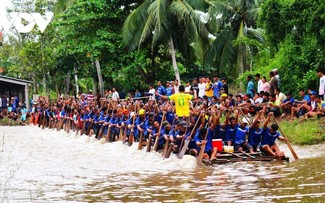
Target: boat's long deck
239	157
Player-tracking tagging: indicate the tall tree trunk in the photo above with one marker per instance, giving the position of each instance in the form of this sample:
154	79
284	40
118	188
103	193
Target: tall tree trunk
57	88
94	86
67	85
44	84
173	54
240	64
100	79
76	79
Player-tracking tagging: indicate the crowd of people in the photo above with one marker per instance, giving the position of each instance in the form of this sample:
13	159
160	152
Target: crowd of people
165	117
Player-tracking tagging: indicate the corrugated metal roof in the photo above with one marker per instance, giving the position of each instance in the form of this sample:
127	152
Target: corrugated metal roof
14	80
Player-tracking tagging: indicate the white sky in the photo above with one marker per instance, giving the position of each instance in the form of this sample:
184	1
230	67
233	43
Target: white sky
4	24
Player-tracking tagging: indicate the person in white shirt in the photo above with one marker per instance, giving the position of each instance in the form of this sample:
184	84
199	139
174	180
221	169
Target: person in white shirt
258	98
188	87
152	92
321	75
115	95
202	87
176	86
259	82
279	95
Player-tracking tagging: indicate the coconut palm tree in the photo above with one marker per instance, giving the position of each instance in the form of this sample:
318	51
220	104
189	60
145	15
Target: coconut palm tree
233	22
155	22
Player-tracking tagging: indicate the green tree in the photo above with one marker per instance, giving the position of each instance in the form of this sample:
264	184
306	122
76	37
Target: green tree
155	22
237	37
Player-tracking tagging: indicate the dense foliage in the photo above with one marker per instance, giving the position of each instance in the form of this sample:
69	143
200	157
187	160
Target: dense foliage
224	37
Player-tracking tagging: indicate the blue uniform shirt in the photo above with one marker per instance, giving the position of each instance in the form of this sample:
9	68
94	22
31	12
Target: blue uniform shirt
254	138
231	132
240	136
268	138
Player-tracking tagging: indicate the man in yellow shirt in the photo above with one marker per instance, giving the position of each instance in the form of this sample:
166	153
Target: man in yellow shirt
273	106
182	101
208	89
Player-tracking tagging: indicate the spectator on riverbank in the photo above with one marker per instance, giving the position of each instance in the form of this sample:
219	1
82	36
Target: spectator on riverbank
321	75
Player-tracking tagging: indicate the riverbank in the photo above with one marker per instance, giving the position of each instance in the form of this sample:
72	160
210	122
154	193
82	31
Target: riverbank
306	132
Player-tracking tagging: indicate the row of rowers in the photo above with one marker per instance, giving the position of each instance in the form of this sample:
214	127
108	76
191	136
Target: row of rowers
200	128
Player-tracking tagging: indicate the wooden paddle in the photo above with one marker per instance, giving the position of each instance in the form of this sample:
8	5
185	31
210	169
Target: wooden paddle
183	150
120	136
155	147
83	127
149	143
200	157
169	150
124	134
165	148
89	127
130	141
287	141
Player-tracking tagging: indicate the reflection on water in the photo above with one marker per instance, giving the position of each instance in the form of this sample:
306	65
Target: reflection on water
45	166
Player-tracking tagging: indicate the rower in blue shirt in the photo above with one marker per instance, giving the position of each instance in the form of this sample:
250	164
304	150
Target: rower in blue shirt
255	134
240	142
270	134
231	127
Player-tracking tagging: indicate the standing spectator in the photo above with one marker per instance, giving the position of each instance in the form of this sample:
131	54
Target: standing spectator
176	86
195	85
224	87
250	86
216	86
90	96
321	75
137	94
273	83
151	92
169	89
259	82
202	87
276	75
160	89
208	88
265	85
188	87
115	95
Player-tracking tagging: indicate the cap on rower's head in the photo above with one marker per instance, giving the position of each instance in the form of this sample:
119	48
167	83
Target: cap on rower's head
142	112
224	95
245	120
165	123
132	114
151	114
183	124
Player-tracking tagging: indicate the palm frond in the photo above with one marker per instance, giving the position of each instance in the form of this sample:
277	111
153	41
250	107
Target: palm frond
222	52
159	11
133	27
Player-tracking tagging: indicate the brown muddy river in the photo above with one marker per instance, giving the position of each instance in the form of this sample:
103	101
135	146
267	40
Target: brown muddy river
48	166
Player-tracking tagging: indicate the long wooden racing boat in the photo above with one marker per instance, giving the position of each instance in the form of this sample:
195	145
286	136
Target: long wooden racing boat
223	158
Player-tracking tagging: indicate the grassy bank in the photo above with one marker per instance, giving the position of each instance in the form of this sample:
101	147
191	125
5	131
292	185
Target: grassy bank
304	133
7	122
